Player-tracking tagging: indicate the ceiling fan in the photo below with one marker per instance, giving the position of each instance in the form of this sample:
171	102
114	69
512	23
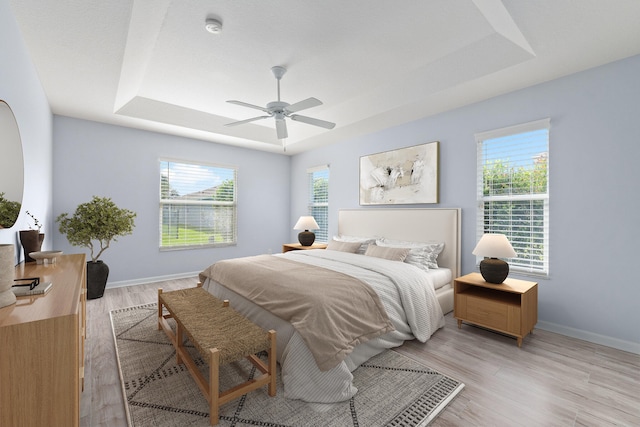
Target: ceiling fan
280	110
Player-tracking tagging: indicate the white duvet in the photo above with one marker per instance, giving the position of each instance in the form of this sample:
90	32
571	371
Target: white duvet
406	292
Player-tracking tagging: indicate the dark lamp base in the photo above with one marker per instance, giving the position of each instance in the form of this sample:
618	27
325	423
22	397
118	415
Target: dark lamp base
494	270
306	238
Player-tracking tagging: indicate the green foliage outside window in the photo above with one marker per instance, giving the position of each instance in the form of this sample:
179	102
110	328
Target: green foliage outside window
501	179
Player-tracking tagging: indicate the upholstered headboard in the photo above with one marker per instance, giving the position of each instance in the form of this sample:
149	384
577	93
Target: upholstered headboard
416	225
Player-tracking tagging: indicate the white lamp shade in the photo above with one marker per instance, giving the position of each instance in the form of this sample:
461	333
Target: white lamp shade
494	246
306	223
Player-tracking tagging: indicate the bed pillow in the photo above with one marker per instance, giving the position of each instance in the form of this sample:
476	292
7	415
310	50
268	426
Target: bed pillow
351	247
393	254
422	255
364	241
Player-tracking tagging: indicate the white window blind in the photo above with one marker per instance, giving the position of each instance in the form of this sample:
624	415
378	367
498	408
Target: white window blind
513	191
197	205
318	179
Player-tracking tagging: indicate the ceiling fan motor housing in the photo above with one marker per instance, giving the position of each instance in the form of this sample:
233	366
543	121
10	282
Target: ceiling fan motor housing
277	106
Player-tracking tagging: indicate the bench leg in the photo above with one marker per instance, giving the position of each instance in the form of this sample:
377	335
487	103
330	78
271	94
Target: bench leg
159	310
179	343
214	386
272	363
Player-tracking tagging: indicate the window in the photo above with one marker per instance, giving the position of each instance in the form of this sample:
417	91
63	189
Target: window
513	191
319	200
197	205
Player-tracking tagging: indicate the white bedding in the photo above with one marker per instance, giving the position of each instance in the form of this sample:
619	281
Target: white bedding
406	292
440	277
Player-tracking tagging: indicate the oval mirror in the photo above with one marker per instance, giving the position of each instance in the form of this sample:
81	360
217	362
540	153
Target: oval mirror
11	167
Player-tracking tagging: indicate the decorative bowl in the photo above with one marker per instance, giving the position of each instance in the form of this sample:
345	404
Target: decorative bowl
45	257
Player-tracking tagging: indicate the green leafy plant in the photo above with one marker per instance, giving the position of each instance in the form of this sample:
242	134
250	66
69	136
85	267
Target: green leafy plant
9	212
98	220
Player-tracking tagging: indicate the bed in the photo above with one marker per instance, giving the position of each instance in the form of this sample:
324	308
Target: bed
420	225
311	368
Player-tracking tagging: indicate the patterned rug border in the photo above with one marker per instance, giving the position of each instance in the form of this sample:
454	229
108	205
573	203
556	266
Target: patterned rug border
115	343
424	413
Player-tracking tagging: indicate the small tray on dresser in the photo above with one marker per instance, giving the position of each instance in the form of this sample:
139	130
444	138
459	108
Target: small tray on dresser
45	257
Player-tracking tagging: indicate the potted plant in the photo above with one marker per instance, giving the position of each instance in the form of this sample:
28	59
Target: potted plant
94	225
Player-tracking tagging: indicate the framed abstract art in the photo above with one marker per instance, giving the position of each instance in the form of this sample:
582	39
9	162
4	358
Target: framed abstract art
403	176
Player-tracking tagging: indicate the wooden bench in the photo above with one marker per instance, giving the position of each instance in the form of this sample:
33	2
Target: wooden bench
221	335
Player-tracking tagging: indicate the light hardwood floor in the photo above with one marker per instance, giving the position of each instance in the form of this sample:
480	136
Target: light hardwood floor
552	380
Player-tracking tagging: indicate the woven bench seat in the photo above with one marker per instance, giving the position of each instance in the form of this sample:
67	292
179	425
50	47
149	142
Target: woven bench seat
221	335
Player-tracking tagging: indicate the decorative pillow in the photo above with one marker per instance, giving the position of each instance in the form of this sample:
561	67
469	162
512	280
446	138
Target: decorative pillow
393	254
335	245
364	241
422	255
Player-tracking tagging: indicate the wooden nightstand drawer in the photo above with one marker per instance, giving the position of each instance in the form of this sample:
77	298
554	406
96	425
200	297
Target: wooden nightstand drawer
489	313
493	314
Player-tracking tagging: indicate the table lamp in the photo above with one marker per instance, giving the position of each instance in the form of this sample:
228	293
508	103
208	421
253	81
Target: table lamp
306	223
491	246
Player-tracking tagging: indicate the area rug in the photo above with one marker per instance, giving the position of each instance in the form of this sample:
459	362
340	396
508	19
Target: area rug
393	390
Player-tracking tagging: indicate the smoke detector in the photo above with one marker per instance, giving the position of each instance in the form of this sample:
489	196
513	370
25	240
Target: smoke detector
213	26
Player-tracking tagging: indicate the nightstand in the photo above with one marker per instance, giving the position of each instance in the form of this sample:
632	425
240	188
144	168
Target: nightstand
298	247
510	307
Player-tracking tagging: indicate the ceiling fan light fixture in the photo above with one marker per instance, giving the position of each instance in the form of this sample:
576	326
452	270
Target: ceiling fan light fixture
213	26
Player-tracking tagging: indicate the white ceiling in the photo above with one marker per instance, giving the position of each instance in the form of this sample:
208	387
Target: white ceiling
150	64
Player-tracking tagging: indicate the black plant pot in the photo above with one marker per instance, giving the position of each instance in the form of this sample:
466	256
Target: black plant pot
31	241
97	274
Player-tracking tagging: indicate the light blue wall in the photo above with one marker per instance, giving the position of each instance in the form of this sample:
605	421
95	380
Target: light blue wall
594	204
21	89
92	158
595	147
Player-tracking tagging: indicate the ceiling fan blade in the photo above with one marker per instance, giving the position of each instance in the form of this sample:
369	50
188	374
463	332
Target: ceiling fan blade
303	105
281	129
241	122
312	121
244	104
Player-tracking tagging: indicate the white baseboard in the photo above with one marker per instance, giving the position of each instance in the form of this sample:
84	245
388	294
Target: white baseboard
146	280
619	344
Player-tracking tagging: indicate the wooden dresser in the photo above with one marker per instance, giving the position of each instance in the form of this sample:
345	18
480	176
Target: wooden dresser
42	347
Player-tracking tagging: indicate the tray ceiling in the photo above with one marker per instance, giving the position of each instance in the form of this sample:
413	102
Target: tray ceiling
150	64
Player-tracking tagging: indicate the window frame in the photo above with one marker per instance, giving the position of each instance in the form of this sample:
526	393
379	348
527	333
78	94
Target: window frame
518	264
162	203
322	235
